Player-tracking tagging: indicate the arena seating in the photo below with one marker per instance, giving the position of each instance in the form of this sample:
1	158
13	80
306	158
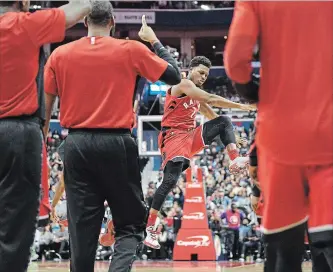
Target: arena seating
222	189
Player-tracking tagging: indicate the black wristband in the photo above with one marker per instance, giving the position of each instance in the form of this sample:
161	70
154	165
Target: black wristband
158	46
256	191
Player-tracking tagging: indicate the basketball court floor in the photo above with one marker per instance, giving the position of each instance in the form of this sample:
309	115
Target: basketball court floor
168	266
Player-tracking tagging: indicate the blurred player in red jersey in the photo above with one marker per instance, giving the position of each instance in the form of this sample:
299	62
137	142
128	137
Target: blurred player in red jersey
294	123
180	139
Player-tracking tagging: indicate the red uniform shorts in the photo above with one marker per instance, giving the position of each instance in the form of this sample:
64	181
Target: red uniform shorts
180	145
295	193
44	207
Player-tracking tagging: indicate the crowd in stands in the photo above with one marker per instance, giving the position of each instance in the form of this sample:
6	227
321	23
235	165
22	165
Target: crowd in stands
51	243
172	4
225	193
223	190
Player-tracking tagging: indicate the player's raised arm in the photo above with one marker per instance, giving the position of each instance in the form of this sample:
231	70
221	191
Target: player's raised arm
48	26
207	111
75	11
187	87
161	66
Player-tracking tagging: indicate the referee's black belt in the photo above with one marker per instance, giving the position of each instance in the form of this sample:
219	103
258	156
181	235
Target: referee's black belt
100	130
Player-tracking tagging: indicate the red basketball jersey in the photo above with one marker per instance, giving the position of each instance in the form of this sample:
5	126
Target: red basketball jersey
180	112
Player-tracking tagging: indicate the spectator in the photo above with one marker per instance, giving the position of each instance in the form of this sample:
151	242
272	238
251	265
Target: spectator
61	239
244	228
149	197
252	240
233	218
177	221
45	241
215	223
178	196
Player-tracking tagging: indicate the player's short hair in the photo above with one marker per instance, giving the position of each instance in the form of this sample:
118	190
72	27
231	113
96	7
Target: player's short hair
196	61
101	13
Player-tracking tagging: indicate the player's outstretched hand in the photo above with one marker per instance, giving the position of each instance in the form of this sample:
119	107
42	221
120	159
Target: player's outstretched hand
248	107
146	33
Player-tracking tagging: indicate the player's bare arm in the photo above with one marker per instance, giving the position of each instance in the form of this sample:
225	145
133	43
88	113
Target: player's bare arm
76	11
187	87
207	111
49	102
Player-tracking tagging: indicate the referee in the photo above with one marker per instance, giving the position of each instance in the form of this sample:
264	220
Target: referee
94	78
21	115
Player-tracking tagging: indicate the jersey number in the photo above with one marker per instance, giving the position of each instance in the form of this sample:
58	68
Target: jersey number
195	110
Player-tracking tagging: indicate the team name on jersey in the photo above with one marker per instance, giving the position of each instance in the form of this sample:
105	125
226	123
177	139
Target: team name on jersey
189	105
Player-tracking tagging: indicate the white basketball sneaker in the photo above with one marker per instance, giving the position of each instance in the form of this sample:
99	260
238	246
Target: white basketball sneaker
152	238
238	164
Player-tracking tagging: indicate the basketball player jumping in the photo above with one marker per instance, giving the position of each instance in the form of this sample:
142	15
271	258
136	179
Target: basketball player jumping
180	139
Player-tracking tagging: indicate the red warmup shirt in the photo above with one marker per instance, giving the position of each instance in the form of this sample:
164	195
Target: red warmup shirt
180	112
94	78
295	112
21	36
